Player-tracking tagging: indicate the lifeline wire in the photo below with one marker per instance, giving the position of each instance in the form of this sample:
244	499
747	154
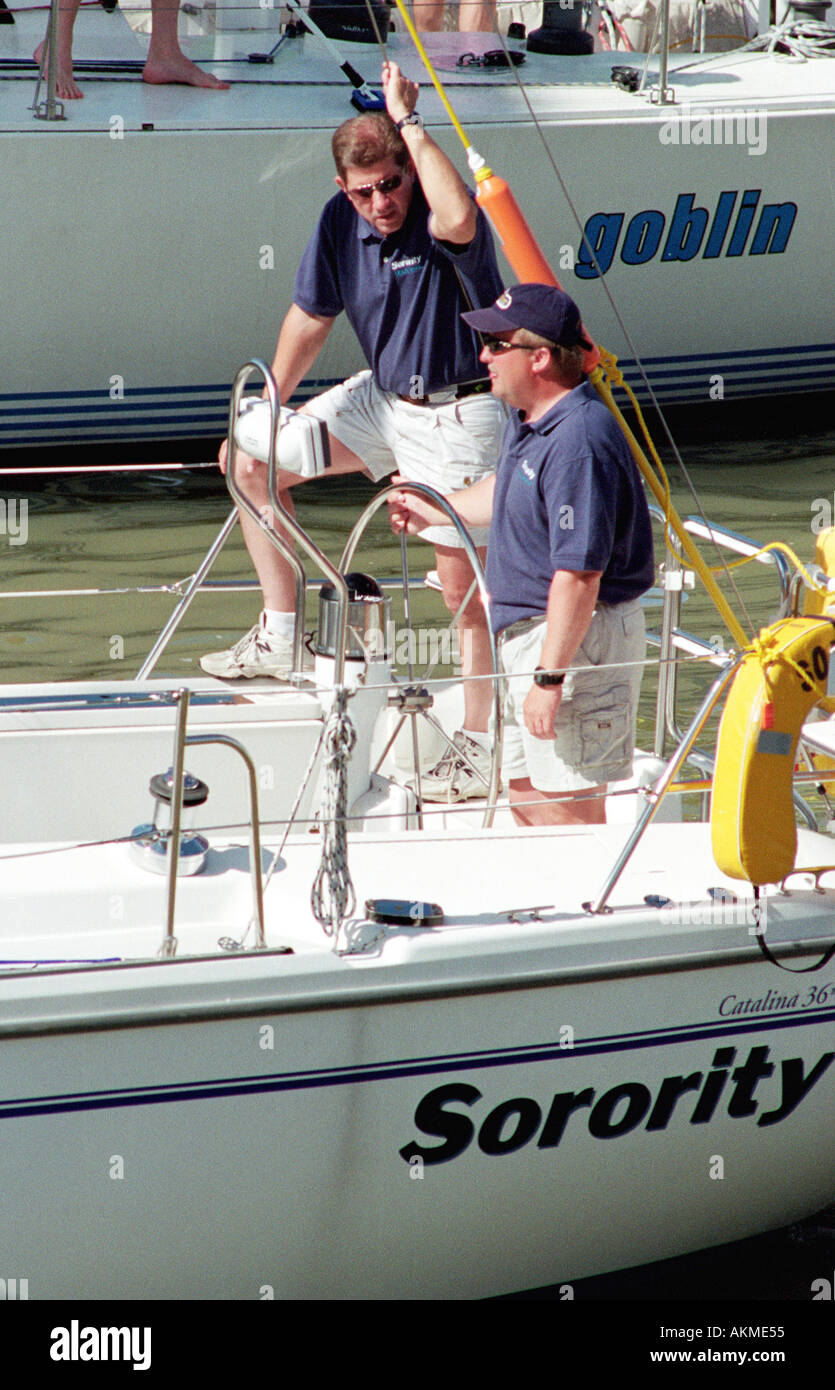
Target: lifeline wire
380	40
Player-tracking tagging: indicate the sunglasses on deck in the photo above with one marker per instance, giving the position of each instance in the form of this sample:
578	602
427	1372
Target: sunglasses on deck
499	345
381	186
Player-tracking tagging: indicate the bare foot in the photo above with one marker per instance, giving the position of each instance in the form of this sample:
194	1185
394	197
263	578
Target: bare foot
181	69
66	87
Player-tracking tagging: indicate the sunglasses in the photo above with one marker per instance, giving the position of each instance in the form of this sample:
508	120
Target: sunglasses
381	186
499	345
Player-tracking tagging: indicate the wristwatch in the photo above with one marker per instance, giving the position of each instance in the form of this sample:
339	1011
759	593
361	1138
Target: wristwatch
544	679
412	119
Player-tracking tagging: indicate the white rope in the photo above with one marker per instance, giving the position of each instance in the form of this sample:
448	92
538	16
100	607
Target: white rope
796	42
332	897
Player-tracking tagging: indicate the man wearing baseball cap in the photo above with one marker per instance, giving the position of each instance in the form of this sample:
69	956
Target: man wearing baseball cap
569	554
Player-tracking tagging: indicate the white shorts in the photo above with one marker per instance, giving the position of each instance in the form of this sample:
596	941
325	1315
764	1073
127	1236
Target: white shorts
595	723
447	446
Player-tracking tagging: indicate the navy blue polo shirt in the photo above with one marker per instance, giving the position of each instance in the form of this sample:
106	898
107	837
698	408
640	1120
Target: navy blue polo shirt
401	293
568	497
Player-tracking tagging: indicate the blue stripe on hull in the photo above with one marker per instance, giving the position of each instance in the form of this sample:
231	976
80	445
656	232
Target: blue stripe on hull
420	1066
73	417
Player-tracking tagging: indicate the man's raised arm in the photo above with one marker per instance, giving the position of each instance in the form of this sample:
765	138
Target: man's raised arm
453	211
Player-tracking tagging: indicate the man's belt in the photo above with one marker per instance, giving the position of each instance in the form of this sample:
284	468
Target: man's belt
449	393
520	626
525	624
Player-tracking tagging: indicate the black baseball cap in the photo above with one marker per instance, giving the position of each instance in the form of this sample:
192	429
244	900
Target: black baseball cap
542	309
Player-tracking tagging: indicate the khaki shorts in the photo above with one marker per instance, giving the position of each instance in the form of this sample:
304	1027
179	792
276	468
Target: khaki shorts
447	446
595	723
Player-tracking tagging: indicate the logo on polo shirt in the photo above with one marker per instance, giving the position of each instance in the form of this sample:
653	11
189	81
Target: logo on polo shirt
527	470
407	264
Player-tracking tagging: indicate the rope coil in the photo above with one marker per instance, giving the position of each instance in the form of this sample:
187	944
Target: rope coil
332	896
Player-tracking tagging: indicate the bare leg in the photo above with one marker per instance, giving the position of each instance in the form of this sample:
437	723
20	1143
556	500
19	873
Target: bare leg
66	86
456	576
586	808
429	15
166	60
275	576
477	16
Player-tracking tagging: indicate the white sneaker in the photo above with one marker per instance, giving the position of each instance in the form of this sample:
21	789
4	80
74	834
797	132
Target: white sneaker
258	653
458	775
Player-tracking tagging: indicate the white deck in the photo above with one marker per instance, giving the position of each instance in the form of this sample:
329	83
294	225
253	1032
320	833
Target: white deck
276	96
507	895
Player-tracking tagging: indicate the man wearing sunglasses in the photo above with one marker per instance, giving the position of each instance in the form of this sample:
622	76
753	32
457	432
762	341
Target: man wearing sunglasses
403	250
569	555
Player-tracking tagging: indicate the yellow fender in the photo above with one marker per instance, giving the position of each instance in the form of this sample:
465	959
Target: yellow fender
783	674
814	603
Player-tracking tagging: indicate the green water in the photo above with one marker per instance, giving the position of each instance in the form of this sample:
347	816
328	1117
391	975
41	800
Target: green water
126	532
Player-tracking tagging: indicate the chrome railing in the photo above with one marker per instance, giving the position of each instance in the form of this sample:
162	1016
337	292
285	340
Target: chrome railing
419	490
673	638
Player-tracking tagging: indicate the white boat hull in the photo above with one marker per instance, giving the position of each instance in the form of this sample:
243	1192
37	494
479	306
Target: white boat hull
247	1127
252	1146
124	324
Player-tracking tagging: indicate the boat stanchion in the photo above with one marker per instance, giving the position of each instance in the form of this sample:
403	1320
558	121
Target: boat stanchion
655	795
153	843
407	614
226	741
662	95
52	109
194	583
169	944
